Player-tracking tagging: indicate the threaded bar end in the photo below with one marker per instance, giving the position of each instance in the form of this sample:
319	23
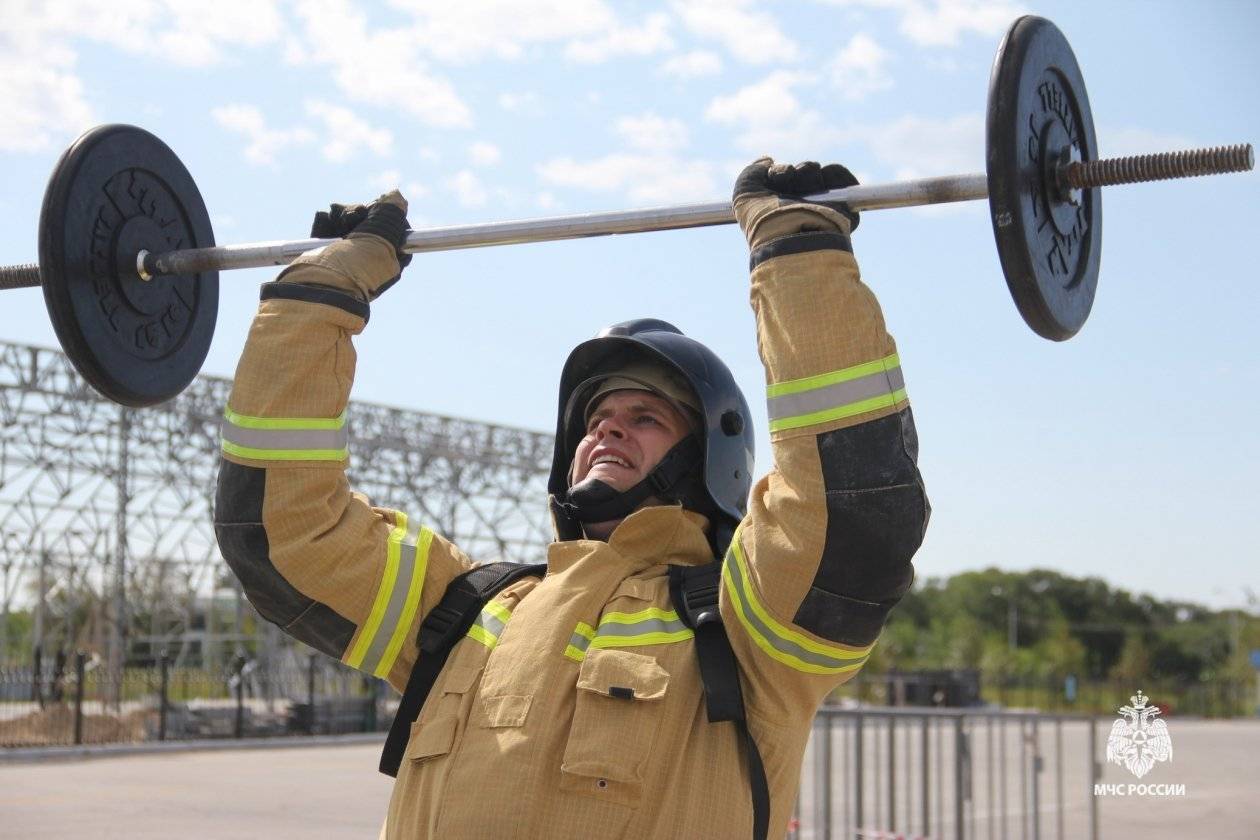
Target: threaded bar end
24	276
1192	163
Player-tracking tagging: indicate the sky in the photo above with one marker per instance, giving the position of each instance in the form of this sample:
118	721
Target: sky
1128	452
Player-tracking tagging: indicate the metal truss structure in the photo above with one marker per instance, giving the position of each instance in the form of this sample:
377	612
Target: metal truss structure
106	539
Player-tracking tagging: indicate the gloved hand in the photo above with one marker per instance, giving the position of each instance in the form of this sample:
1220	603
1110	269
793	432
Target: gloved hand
770	201
369	259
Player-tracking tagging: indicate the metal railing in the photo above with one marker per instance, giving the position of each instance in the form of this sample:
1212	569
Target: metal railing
76	701
909	773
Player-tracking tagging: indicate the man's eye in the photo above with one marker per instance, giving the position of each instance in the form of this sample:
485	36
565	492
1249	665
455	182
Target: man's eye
647	418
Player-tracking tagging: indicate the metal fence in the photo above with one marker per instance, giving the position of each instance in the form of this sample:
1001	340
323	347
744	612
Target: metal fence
914	773
77	702
869	772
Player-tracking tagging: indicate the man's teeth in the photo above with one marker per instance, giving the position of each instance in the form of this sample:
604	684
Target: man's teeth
610	459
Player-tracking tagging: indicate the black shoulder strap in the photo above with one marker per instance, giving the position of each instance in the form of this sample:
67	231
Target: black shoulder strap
694	591
445	625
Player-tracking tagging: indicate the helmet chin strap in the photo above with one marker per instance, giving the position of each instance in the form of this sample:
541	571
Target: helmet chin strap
592	500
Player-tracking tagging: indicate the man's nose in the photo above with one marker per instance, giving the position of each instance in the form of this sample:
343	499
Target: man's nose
610	425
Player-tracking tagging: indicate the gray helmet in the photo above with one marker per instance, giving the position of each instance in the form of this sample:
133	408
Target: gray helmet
709	472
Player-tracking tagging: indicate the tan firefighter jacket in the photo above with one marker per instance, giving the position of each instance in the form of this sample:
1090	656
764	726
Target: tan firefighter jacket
573	707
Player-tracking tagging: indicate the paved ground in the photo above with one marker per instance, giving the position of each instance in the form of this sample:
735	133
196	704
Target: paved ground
283	794
335	792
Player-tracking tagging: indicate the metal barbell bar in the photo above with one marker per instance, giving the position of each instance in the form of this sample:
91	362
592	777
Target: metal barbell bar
1076	175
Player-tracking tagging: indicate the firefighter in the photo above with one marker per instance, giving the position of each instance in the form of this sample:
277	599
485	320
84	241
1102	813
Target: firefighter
576	706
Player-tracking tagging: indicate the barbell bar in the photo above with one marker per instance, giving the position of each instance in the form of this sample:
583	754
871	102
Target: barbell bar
134	306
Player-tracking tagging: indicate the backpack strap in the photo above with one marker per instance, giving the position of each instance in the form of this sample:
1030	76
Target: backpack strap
441	629
694	591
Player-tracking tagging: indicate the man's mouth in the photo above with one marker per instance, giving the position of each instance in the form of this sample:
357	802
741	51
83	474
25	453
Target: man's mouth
608	458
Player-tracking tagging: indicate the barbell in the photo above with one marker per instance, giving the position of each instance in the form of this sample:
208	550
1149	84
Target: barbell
129	266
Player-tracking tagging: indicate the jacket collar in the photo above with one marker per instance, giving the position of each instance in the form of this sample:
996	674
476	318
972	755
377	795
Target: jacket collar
649	536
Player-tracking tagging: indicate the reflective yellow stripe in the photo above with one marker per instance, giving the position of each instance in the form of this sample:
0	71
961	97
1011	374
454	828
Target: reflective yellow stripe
835	395
498	611
778	641
284	438
414	590
652	626
636	617
286	454
480	634
490	624
822	380
292	423
641	639
839	412
368	631
397	600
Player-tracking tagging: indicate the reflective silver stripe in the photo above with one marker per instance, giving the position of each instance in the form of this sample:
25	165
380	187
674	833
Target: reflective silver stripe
579	642
491	624
638	628
616	630
272	439
786	648
397	599
839	394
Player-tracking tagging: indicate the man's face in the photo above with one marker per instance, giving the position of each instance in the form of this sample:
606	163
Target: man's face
626	436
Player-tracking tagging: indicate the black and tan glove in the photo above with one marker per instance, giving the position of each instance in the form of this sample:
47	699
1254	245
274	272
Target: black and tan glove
368	260
770	200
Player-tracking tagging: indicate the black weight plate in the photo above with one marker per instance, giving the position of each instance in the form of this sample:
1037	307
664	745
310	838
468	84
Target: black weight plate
1050	248
117	190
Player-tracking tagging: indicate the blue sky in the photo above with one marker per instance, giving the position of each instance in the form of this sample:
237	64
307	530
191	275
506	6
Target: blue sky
1127	452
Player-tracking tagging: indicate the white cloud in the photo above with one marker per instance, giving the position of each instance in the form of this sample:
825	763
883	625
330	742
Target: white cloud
650	37
346	132
950	146
751	36
546	200
263	143
653	133
393	179
642	178
335	33
483	153
770	119
42	92
44	103
941	22
516	103
468	189
470	31
692	64
197	30
859	69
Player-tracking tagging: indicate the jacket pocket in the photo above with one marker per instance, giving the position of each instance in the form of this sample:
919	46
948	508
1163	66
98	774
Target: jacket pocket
444	712
614	721
431	739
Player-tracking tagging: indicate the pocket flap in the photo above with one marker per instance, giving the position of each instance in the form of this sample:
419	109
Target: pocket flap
506	711
644	590
624	675
431	739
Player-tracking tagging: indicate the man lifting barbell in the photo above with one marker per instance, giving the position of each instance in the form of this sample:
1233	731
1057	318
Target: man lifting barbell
594	699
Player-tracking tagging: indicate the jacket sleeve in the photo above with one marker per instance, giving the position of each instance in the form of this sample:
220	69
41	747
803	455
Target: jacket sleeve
825	550
349	579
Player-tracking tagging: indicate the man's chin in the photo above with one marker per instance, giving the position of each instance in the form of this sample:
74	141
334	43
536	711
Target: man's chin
615	478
